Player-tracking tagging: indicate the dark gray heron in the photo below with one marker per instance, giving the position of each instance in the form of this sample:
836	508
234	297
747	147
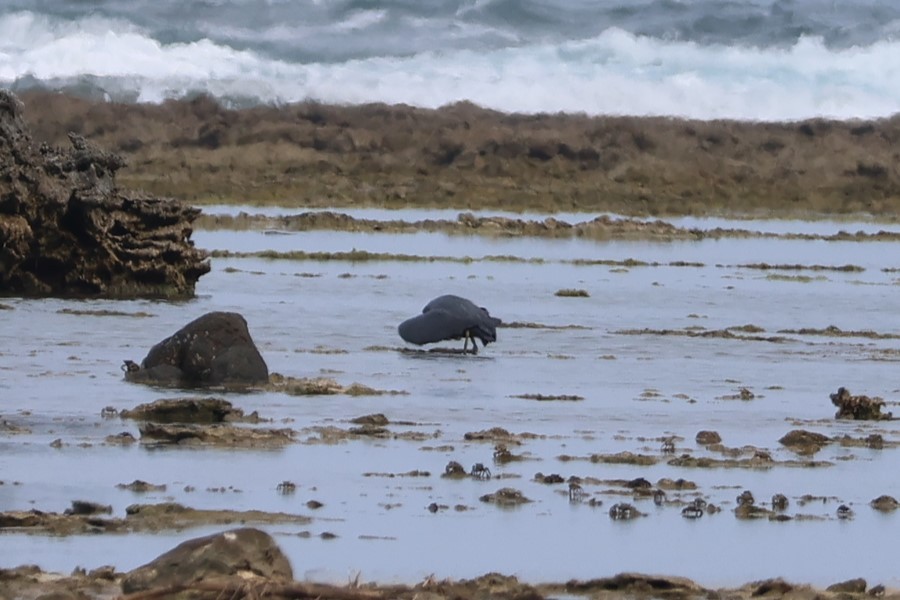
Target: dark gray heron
451	318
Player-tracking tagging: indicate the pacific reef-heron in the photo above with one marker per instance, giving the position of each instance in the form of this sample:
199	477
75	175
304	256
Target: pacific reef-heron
450	317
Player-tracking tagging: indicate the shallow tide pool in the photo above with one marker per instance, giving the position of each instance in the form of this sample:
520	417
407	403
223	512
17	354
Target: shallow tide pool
640	376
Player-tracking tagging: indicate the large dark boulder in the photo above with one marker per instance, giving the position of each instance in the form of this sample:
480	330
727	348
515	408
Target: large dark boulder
67	230
247	553
215	349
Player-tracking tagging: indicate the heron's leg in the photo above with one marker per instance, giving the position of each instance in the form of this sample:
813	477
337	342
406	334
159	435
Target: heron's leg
466	337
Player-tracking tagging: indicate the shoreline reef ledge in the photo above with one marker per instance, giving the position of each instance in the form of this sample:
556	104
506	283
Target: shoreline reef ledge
68	230
465	157
247	562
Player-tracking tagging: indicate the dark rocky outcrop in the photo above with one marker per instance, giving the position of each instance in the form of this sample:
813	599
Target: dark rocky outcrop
637	585
804	442
851	586
187	410
860	408
707	438
505	497
66	229
247	552
215	349
221	434
885	503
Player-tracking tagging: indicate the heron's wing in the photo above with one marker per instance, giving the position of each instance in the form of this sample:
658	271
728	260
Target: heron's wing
433	326
447	302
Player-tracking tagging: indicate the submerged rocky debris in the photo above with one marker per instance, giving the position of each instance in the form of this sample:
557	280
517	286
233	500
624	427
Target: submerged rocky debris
885	503
203	422
804	442
220	434
89	517
67	229
505	497
549	397
708	437
322	386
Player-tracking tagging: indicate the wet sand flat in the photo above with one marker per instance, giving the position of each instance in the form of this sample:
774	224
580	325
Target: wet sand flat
654	352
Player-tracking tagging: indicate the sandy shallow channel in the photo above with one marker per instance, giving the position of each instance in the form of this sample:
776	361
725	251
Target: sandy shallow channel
631	350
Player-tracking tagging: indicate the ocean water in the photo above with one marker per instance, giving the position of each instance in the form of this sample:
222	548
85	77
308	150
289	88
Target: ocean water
707	59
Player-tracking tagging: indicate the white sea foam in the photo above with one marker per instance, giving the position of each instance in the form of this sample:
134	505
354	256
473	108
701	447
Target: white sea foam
613	73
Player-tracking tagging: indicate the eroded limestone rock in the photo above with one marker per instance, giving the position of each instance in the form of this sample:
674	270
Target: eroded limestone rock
66	229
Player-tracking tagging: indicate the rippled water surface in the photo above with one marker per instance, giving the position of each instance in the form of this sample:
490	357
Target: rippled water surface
338	319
